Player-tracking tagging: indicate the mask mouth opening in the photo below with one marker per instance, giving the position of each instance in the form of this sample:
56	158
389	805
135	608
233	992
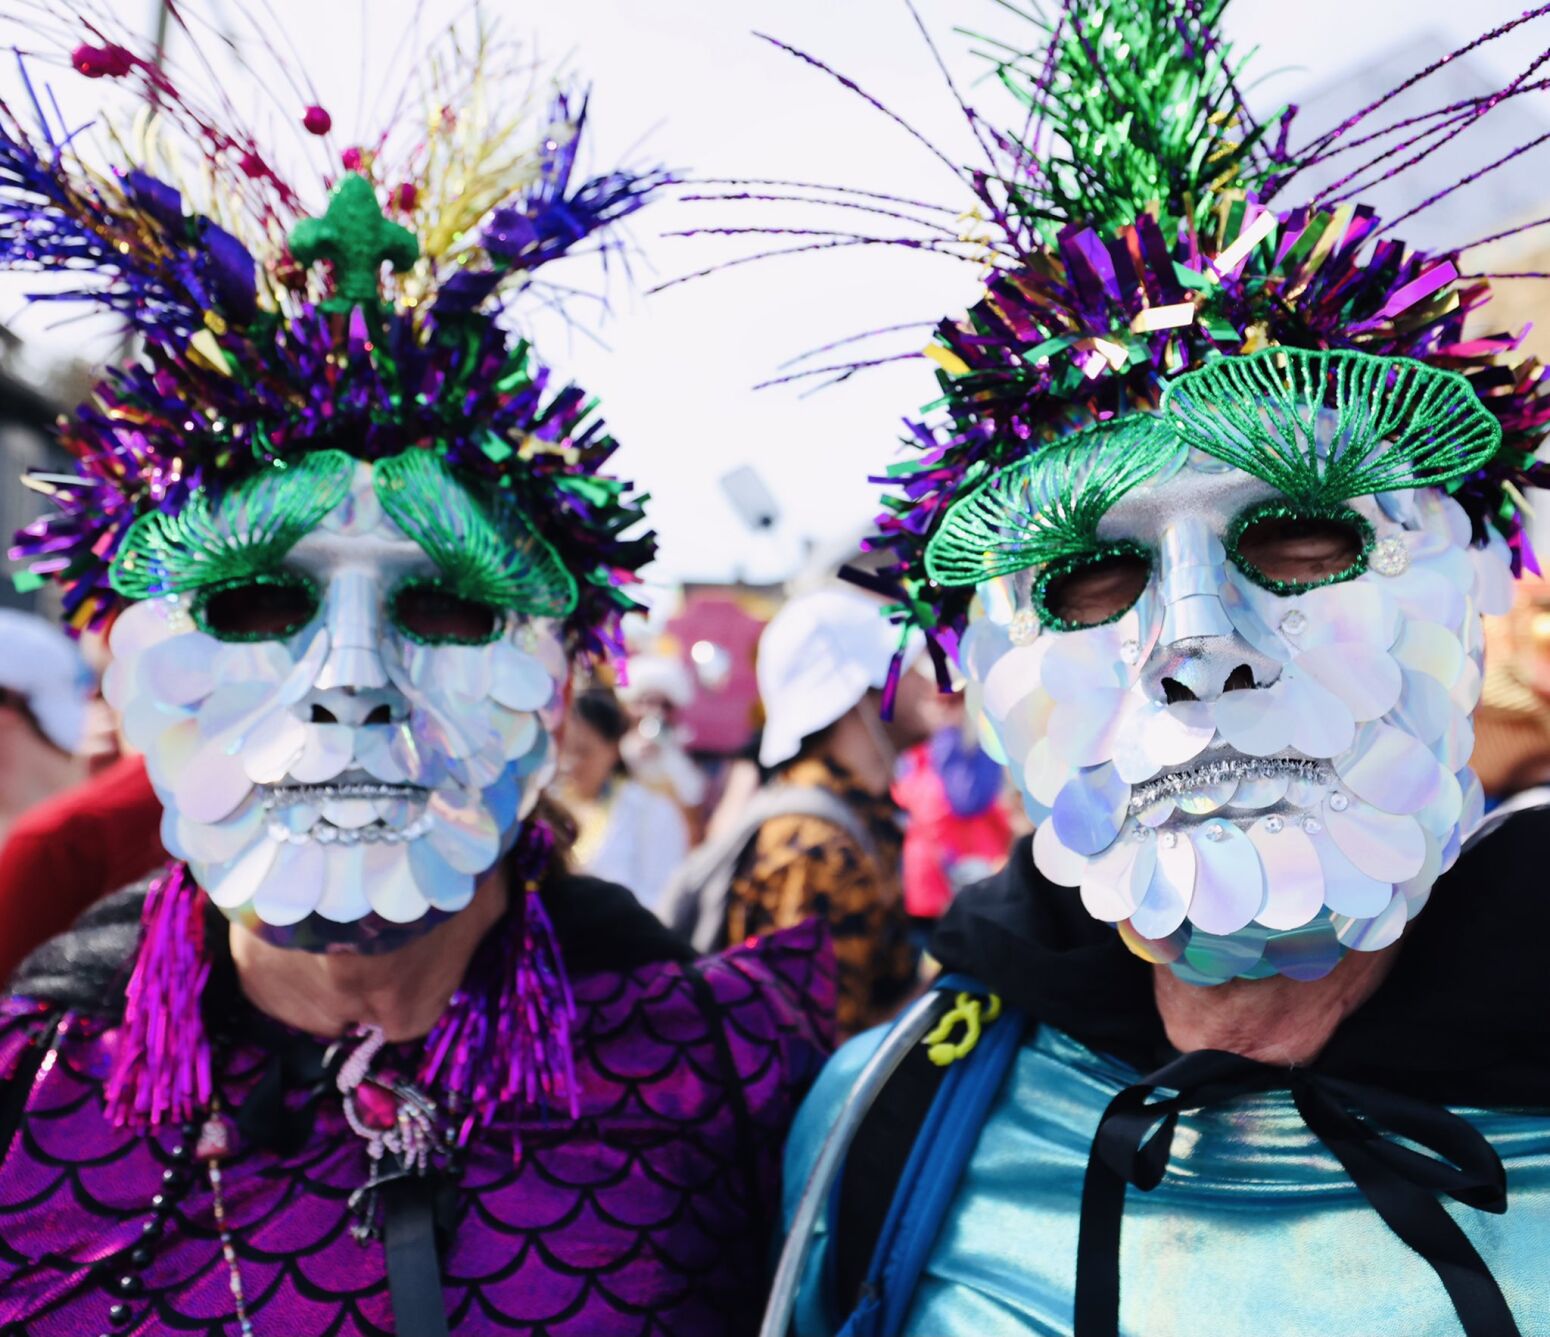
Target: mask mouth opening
346	812
1182	784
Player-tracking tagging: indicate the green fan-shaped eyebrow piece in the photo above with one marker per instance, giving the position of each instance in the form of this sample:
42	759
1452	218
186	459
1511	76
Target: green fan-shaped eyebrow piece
1047	506
245	531
491	555
1323	426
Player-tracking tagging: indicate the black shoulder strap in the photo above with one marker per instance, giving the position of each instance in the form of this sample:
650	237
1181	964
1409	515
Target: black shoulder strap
873	1168
413	1259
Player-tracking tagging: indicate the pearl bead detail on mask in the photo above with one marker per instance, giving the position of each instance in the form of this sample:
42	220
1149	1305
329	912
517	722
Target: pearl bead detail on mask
1390	557
325	833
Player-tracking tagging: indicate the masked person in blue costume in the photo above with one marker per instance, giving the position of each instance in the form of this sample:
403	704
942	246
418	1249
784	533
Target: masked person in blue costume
1251	1037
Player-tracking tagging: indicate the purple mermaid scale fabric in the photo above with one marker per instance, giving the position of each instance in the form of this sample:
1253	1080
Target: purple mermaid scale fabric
650	1214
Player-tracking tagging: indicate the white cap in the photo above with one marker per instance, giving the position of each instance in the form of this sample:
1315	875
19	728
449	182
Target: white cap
817	658
657	675
42	664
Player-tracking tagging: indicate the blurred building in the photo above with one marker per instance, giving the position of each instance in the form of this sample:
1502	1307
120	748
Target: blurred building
715	635
31	401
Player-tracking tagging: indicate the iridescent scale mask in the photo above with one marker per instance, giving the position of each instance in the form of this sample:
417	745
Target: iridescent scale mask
1248	776
344	678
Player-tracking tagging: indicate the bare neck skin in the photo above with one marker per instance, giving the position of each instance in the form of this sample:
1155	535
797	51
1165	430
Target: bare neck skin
404	992
1277	1020
33	770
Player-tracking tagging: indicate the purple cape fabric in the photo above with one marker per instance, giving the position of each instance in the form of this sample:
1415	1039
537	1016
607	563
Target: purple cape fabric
650	1214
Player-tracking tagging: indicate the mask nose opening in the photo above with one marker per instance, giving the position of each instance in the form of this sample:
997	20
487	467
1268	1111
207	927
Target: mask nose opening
1197	678
1241	679
380	713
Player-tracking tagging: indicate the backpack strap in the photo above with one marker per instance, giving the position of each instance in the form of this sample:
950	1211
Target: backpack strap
973	1071
695	903
881	1165
906	1033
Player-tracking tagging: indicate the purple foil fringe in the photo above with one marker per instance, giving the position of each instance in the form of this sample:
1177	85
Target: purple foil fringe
505	1037
503	1040
161	1067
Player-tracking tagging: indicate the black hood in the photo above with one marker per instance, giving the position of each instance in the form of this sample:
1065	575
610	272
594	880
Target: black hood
1463	1017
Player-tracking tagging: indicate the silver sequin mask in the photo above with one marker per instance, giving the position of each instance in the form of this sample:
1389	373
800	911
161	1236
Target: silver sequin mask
343	782
1246	780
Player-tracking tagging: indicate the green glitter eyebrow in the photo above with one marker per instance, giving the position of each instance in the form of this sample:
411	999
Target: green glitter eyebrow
1325	426
492	556
245	532
1046	507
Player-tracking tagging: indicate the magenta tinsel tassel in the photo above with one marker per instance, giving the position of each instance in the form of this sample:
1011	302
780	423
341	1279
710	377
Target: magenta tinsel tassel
161	1068
505	1038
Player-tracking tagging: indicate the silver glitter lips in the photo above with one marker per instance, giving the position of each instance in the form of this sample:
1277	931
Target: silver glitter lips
1227	769
321	831
284	796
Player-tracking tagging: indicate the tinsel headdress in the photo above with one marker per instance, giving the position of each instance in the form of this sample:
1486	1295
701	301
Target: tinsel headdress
1140	222
362	312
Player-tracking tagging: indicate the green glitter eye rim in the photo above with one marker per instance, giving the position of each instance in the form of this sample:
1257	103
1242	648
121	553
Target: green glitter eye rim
501	622
1277	509
1047	506
1065	566
198	610
487	552
1396	423
241	534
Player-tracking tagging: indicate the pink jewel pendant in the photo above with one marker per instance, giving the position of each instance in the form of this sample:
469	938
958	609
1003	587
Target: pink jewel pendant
395	1120
377	1106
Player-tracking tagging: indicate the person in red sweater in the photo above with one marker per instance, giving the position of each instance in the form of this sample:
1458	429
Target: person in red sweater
81	844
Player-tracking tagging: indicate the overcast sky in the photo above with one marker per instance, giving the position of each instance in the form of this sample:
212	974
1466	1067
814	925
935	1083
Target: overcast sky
686	83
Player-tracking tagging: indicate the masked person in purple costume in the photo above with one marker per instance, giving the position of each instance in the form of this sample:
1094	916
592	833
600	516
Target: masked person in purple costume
366	1058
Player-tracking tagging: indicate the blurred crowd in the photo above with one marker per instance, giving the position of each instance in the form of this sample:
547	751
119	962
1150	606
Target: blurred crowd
753	763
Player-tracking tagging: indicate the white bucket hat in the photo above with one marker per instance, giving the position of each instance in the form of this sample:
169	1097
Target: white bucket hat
42	664
819	655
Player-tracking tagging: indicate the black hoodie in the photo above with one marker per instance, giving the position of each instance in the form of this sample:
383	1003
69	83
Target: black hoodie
1462	1019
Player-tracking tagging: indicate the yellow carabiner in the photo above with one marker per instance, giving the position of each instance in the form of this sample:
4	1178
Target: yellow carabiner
974	1015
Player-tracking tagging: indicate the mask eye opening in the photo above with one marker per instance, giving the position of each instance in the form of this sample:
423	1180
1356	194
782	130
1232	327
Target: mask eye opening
1116	574
262	606
1278	519
430	611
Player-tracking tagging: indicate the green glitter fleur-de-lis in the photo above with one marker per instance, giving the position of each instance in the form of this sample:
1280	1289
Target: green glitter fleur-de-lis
355	235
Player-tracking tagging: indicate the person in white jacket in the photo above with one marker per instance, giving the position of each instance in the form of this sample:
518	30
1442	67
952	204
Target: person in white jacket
626	832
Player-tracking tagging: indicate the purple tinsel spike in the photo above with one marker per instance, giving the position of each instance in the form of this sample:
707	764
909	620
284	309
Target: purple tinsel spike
505	1037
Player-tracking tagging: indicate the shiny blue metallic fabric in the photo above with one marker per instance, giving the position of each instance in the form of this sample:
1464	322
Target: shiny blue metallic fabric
1255	1231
